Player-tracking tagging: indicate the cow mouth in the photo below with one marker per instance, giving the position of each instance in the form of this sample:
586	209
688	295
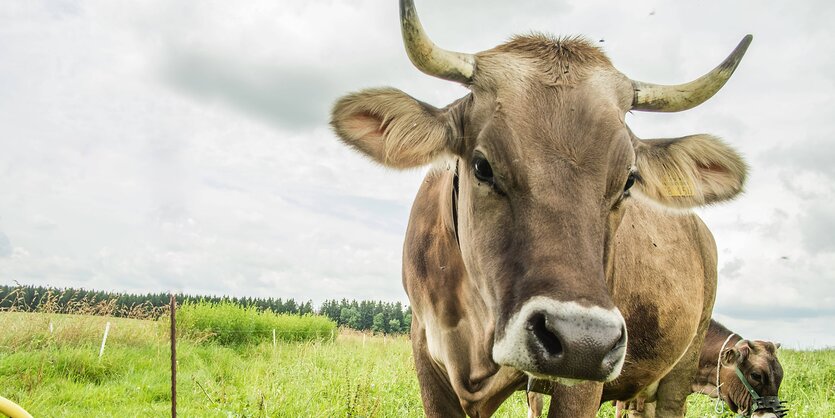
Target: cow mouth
733	406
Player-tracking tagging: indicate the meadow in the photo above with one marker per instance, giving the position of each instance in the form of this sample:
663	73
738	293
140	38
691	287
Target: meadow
59	374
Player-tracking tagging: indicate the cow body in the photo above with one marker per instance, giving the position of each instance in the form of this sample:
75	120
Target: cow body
662	277
543	247
664	282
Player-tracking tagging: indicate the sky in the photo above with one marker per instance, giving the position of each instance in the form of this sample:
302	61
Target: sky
184	145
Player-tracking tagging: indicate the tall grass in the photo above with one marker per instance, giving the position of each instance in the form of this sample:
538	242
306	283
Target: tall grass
68	301
230	324
357	375
225	322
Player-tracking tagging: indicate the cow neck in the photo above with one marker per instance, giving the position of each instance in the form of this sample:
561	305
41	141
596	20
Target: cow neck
455	203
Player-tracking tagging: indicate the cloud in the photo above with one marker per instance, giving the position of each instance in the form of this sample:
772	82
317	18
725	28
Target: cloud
732	268
815	331
164	144
817	224
383	214
291	97
5	245
809	152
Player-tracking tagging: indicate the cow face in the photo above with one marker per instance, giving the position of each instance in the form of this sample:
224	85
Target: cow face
545	164
757	360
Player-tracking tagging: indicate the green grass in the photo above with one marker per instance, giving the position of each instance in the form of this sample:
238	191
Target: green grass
230	324
60	374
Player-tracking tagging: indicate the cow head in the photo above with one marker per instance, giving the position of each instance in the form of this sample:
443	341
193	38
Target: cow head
545	164
757	360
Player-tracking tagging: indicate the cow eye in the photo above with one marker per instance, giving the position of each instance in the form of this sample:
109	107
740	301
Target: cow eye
630	181
482	170
757	377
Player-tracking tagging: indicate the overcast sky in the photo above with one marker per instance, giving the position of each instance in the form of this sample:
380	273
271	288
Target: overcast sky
183	145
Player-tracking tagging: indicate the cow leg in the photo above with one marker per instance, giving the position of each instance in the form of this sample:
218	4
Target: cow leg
535	404
631	409
675	386
646	410
673	389
579	401
649	410
439	399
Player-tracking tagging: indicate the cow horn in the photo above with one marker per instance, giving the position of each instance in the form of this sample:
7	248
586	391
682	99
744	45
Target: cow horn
426	56
660	98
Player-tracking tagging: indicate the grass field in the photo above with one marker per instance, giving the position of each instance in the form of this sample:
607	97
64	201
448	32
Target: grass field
59	374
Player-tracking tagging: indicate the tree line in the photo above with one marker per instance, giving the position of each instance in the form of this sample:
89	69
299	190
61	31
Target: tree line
374	316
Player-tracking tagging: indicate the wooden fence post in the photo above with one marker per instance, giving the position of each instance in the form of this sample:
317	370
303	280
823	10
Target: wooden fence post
173	308
104	339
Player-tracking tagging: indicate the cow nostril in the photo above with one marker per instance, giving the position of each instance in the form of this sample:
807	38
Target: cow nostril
617	348
621	342
550	342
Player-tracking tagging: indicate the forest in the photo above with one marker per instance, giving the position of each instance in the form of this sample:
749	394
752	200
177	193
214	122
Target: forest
374	316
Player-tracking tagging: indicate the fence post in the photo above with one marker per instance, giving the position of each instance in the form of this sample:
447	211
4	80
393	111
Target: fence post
273	339
173	307
50	327
103	340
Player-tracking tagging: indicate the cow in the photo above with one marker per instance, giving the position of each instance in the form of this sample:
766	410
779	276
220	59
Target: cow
547	225
755	359
723	351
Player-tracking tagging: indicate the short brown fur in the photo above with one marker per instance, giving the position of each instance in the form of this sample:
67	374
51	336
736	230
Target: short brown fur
555	222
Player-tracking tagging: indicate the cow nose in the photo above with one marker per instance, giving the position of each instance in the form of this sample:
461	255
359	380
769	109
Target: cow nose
582	346
557	339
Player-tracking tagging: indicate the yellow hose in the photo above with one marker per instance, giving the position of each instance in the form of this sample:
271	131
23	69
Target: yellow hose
12	410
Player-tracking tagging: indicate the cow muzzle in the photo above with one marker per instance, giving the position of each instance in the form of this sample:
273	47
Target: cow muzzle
564	340
764	415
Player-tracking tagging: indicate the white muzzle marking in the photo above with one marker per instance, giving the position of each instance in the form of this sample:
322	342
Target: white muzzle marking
583	324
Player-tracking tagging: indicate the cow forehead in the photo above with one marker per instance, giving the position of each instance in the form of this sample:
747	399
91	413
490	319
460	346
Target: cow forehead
553	61
762	358
543	96
537	62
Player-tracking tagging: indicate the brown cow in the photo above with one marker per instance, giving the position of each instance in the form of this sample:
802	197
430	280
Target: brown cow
521	249
757	360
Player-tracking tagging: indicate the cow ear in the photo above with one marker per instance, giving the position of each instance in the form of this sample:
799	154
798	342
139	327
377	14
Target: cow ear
736	354
391	127
729	357
689	171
